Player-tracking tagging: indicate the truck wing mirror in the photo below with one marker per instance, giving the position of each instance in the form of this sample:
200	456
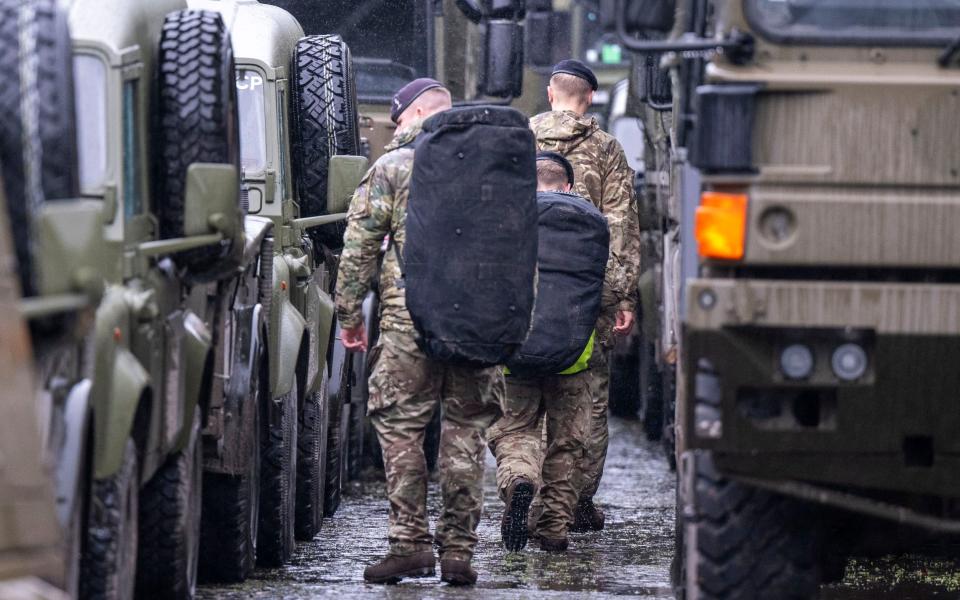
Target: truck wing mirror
502	74
344	175
211	202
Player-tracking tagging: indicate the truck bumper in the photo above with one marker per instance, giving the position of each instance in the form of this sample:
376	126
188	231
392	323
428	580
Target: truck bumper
892	428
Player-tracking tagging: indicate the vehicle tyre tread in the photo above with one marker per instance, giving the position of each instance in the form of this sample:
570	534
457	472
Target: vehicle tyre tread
197	119
275	541
170	524
325	118
747	543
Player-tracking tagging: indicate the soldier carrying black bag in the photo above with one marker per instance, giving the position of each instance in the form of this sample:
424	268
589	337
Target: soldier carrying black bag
456	193
548	381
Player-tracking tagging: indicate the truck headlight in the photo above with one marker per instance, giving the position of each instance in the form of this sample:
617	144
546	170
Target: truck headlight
849	362
796	361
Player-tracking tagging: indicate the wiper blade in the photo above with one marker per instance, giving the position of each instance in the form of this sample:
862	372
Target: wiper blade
949	53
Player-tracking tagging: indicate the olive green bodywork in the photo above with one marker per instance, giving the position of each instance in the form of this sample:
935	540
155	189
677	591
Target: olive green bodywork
153	339
850	238
300	318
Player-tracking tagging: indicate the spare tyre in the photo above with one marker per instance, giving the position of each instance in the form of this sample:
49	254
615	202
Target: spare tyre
38	151
325	124
196	119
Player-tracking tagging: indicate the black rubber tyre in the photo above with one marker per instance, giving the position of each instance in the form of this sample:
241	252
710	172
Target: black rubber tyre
197	118
325	123
170	524
278	485
109	563
231	515
312	462
38	149
338	391
625	378
741	543
651	391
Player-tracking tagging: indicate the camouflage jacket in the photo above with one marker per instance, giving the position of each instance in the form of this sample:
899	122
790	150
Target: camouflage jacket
378	209
603	177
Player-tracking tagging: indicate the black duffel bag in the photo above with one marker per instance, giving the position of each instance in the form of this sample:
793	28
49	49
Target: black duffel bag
470	255
574	242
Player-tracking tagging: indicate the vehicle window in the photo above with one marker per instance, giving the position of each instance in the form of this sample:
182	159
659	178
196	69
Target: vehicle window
131	151
284	178
253	121
629	132
90	73
922	22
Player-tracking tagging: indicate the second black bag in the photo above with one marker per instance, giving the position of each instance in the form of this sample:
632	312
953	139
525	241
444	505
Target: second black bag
574	243
470	255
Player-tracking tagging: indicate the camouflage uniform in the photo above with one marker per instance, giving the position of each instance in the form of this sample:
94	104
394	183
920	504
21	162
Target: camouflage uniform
405	386
516	440
603	177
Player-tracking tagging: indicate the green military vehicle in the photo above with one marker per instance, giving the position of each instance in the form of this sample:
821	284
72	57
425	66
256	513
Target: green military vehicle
299	140
815	188
174	354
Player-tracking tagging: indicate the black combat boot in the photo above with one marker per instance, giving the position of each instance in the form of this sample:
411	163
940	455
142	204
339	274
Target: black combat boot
513	526
553	545
394	568
457	572
587	517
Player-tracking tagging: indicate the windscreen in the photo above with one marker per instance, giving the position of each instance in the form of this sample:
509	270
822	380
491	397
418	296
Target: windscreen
253	125
919	22
90	73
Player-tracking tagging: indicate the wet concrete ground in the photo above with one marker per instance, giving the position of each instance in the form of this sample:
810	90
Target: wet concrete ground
630	557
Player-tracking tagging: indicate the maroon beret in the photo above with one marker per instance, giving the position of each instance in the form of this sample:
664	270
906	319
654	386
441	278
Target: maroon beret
410	92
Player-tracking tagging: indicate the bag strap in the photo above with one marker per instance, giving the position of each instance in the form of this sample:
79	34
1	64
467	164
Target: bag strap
392	245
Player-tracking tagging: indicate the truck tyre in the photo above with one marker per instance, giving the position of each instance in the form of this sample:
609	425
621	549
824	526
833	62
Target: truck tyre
170	524
325	123
278	485
109	563
338	390
669	438
231	514
196	119
651	391
625	378
741	543
38	150
312	462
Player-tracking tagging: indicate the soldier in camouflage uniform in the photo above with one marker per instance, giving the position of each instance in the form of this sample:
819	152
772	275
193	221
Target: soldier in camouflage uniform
516	439
405	386
603	177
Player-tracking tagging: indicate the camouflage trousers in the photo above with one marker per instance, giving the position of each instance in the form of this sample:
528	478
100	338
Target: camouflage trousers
586	478
560	405
405	388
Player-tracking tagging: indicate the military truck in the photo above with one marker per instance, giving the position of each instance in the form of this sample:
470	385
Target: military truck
174	354
299	137
813	168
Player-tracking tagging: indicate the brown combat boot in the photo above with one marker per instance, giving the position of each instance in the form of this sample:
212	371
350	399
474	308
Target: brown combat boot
457	572
394	568
513	526
587	517
553	545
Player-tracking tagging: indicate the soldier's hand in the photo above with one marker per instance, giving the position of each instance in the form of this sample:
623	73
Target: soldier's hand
624	322
355	338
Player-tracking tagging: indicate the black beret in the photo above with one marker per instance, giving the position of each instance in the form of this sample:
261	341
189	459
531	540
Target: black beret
410	92
577	69
560	160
